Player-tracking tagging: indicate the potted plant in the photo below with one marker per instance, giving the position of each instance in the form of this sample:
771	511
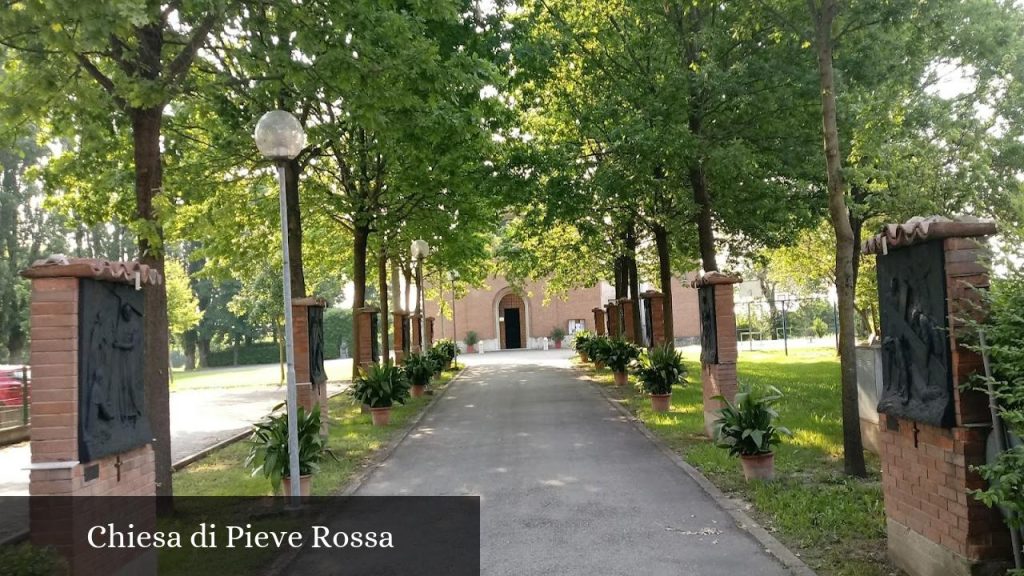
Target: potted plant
437	360
419	369
557	335
268	452
380	387
619	355
746	428
446	348
470	341
657	370
598	350
580	341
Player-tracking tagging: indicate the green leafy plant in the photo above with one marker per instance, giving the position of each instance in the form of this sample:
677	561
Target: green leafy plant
446	348
268	452
660	368
419	368
621	354
1003	326
557	334
471	339
746	426
598	349
581	340
437	360
381	386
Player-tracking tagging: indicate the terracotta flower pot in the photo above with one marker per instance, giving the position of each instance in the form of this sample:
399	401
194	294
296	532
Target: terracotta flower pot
286	485
621	378
418	390
758	466
470	348
381	416
558	344
598	364
661	402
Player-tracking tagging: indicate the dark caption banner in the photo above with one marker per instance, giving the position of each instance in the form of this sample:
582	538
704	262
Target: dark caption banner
220	536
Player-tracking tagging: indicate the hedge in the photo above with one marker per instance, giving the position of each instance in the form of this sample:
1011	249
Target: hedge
337	330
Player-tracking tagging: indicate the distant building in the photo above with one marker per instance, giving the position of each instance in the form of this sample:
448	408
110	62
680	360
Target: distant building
504	319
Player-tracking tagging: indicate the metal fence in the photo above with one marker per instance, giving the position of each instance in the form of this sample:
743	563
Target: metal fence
786	323
14	397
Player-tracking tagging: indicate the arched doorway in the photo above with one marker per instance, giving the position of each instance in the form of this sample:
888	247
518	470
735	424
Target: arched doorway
511	319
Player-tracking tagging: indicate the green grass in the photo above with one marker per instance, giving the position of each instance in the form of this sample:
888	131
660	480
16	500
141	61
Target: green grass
352	438
835	523
244	376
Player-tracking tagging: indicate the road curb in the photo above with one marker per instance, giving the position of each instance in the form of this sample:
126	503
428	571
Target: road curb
732	506
279	567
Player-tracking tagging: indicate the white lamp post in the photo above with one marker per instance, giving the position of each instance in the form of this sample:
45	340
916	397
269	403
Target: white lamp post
279	137
420	250
453	276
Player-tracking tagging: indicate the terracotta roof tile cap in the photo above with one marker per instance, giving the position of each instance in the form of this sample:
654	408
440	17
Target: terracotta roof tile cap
60	266
715	277
309	301
922	229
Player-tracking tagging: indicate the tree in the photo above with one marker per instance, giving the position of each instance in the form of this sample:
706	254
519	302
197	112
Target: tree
183	312
130	59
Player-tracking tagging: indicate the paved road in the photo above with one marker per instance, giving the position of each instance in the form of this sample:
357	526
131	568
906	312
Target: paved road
567	485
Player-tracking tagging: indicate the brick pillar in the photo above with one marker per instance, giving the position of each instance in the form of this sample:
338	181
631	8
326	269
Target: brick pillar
416	330
599	327
656	304
430	331
365	332
401	345
612	314
71	304
934	527
718	341
626	314
310	393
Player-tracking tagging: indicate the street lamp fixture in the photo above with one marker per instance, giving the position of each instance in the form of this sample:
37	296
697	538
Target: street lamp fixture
279	137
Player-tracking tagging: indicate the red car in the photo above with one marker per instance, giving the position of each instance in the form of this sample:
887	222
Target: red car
11	385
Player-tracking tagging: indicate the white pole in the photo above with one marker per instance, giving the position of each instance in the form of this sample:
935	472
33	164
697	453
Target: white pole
289	340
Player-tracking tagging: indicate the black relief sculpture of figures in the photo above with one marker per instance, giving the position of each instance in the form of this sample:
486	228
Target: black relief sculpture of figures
111	398
317	373
917	383
708	325
374	337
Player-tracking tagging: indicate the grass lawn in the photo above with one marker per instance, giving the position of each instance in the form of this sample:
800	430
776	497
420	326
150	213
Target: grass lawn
352	438
242	376
834	523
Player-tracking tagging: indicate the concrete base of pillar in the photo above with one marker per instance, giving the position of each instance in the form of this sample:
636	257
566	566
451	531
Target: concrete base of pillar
919	556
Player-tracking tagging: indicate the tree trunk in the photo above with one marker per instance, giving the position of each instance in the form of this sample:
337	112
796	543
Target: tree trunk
361	235
189	344
407	274
665	279
204	352
146	125
853	450
382	281
292	170
234	350
621	281
634	284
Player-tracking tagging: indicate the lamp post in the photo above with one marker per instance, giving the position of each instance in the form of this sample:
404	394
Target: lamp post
420	250
453	276
280	138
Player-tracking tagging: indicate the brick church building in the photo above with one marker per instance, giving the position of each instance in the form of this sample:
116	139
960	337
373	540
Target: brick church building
504	319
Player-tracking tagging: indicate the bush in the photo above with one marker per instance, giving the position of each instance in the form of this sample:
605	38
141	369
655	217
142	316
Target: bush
445	349
581	340
268	446
1004	335
257	353
381	386
598	348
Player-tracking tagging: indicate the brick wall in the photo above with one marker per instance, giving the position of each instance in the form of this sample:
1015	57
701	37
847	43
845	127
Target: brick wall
934	526
720	379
